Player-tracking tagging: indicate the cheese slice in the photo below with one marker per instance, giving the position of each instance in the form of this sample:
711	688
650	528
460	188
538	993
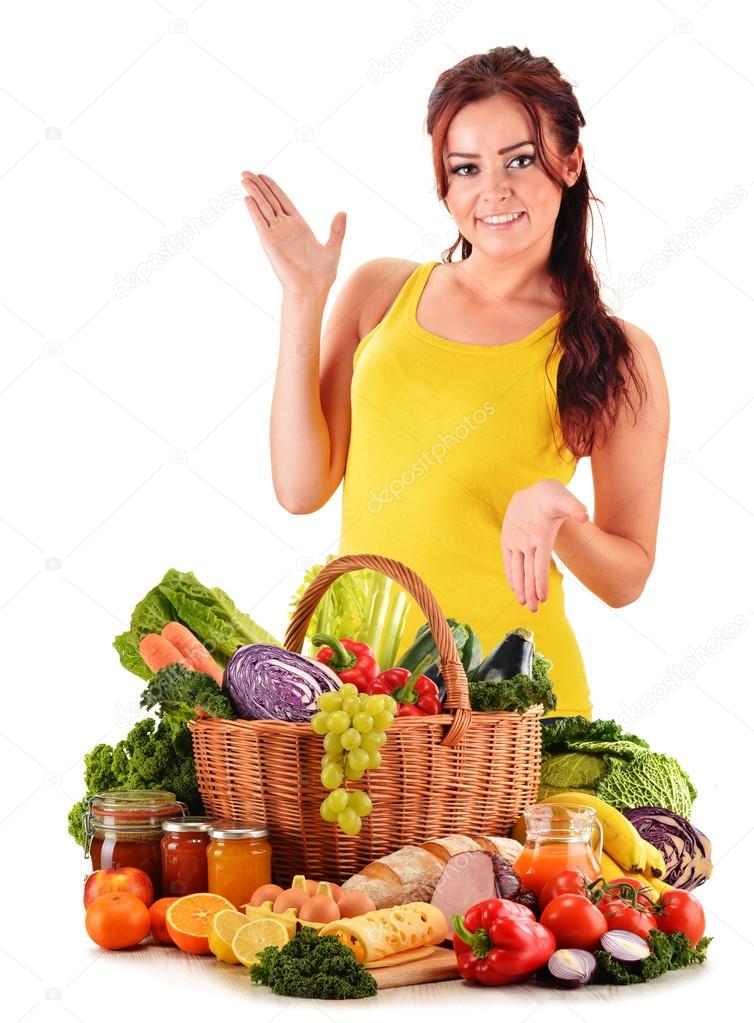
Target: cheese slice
409	956
384	932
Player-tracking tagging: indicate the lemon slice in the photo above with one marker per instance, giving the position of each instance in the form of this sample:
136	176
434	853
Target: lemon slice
255	935
222	930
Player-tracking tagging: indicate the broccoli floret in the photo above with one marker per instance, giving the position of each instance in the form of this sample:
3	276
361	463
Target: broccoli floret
146	759
76	828
177	692
99	775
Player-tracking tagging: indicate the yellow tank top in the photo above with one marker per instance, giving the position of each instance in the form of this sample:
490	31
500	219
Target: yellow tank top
442	434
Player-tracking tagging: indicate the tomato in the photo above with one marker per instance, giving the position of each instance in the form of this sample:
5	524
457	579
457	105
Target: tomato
567	882
157	913
575	922
680	911
117	920
647	894
621	917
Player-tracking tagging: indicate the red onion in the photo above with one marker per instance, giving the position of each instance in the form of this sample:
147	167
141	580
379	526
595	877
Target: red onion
572	966
625	946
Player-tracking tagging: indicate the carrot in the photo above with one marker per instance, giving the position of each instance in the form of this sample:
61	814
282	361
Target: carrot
158	652
193	650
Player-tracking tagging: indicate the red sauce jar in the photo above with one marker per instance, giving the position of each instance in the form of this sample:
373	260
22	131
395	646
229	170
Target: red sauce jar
124	829
184	855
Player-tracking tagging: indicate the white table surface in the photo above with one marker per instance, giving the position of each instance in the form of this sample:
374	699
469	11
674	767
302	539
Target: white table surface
53	972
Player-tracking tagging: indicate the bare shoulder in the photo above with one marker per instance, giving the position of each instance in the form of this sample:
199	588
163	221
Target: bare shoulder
641	343
648	366
376	284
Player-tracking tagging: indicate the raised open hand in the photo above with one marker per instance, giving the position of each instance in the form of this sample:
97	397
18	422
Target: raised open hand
301	262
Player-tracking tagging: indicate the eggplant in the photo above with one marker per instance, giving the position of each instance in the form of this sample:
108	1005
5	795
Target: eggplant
511	657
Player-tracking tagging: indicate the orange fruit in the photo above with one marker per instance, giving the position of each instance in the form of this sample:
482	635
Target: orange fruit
117	920
189	917
157	912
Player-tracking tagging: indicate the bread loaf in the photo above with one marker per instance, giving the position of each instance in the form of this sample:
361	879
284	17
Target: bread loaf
411	874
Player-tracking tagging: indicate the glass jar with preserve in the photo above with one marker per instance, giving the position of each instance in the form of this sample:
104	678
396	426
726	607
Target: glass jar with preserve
124	829
239	859
184	855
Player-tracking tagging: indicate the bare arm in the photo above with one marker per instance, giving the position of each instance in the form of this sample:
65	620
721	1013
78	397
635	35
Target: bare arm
613	555
310	424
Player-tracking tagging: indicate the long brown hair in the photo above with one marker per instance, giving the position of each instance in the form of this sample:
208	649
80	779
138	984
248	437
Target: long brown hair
597	366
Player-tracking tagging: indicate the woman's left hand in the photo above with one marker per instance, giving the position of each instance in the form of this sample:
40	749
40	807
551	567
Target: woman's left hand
532	520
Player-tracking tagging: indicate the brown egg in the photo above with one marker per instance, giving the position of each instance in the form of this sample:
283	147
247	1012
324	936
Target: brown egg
354	904
319	909
291	897
336	890
265	893
311	887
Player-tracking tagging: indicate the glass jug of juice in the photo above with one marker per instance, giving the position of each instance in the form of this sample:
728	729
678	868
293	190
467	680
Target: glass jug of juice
559	836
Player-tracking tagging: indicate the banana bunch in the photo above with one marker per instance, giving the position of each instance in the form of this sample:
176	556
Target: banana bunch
622	843
610	871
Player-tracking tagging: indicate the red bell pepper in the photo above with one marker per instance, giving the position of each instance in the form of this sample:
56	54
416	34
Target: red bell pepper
416	694
351	661
500	942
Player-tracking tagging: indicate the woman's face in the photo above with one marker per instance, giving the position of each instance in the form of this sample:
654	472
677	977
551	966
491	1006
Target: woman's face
514	181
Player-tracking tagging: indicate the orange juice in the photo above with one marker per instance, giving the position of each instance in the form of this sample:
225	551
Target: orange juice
536	866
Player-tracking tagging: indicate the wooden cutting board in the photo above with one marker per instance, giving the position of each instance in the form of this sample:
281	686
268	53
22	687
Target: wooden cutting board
440	965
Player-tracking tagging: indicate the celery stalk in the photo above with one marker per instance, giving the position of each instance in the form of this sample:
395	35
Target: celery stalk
378	593
395	626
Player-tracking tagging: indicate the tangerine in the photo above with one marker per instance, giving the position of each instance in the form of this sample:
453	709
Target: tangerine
117	920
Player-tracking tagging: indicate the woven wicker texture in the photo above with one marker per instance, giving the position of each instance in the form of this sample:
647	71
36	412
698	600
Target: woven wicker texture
457	772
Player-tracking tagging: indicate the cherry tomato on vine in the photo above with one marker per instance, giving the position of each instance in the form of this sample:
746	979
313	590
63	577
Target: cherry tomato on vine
680	911
567	882
575	922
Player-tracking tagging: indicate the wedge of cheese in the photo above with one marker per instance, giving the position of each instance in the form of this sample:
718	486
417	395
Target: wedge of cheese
386	932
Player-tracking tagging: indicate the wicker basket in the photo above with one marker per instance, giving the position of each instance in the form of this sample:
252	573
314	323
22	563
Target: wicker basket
457	772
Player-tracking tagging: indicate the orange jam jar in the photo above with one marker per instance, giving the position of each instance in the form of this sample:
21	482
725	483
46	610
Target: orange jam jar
239	859
124	829
184	855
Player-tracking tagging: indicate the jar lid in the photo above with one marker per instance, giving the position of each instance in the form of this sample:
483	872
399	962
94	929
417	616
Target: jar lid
238	829
188	824
134	801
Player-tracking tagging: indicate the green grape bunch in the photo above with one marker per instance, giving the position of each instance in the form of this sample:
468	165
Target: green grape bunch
352	726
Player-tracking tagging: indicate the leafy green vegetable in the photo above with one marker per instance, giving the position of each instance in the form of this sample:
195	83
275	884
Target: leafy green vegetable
517	693
209	613
310	966
177	692
669	952
152	756
358	605
619	767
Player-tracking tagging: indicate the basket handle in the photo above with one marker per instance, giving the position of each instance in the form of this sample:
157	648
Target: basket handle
456	683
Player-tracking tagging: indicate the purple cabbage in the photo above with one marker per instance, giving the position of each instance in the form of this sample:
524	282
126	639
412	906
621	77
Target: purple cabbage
687	850
269	682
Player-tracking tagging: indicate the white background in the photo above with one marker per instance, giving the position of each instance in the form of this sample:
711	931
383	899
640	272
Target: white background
135	421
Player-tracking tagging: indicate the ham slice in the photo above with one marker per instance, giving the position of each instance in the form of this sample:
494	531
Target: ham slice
468	878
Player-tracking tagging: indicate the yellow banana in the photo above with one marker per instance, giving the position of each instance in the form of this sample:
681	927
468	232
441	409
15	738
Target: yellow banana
620	838
655	867
610	871
518	831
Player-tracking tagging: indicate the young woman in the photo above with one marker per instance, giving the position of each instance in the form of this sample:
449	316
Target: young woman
455	398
